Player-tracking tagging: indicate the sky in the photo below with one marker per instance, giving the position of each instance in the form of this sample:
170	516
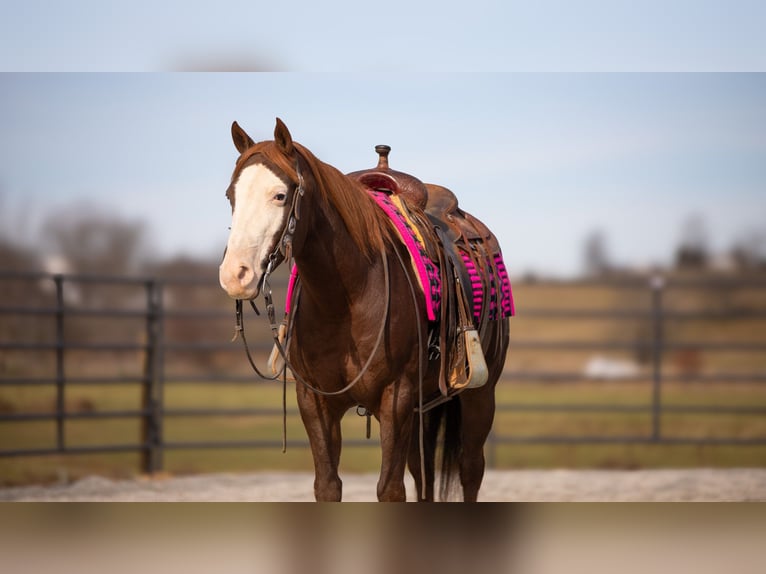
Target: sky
550	120
543	159
395	35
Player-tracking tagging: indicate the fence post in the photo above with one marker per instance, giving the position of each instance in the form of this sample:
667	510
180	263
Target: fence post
152	402
58	281
657	285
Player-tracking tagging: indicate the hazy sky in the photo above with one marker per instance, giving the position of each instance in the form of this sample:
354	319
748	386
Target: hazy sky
541	158
401	35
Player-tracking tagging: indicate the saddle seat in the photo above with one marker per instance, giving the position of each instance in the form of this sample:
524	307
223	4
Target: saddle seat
383	178
436	201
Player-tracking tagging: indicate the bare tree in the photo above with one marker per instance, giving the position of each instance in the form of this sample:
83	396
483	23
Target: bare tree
694	250
93	241
596	254
749	252
87	240
14	254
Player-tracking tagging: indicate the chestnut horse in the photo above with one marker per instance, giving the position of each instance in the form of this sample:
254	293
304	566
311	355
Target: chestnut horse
355	320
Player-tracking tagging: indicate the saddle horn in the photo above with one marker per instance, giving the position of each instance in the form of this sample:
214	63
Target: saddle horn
383	151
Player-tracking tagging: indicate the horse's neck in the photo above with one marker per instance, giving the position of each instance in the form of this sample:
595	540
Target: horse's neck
332	268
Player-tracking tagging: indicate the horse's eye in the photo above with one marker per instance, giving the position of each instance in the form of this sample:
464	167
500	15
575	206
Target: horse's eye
280	197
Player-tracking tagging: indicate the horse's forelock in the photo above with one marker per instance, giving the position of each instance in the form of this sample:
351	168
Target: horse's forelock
267	152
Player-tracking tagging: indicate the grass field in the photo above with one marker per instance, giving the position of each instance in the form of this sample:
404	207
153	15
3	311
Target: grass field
513	394
513	423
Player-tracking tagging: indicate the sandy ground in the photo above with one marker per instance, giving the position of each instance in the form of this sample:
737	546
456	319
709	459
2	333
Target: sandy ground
499	486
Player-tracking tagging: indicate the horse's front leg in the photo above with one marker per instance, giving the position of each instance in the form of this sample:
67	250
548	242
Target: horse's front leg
322	422
396	418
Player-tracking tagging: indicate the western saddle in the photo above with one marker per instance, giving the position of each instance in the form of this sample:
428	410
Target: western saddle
455	239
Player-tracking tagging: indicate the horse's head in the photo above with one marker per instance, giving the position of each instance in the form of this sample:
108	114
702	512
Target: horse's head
262	191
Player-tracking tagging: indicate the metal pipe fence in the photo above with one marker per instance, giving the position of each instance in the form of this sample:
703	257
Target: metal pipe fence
55	310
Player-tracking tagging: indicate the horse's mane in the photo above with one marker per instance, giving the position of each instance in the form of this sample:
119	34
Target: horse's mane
367	225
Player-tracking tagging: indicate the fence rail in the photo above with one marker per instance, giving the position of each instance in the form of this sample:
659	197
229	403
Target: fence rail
154	348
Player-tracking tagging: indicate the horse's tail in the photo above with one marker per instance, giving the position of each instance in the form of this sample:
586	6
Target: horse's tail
450	415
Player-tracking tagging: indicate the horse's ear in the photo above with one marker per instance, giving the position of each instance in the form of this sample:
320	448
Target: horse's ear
242	141
283	138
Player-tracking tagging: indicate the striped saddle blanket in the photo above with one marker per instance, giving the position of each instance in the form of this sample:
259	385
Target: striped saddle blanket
499	296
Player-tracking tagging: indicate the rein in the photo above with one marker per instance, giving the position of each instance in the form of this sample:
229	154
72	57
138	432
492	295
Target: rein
284	353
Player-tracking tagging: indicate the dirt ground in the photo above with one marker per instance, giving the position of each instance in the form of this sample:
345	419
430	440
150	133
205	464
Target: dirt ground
499	486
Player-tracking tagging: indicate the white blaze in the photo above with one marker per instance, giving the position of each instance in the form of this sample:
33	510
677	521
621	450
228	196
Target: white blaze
259	212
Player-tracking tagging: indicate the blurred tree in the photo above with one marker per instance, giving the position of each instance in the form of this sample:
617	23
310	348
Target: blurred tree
93	241
19	291
84	239
596	254
14	255
694	250
749	252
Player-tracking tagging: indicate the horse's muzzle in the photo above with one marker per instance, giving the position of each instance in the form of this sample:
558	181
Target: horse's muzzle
239	281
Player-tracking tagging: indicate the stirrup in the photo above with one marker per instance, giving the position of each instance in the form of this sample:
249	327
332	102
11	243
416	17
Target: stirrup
470	370
473	372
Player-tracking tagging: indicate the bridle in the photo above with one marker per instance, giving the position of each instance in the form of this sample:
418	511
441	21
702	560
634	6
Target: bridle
283	252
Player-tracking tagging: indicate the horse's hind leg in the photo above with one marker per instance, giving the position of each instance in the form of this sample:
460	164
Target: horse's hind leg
478	410
323	428
430	432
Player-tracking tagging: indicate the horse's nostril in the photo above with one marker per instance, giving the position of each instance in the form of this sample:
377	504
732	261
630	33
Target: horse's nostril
243	271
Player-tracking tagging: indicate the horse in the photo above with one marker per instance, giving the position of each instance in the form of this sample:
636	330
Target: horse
357	329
